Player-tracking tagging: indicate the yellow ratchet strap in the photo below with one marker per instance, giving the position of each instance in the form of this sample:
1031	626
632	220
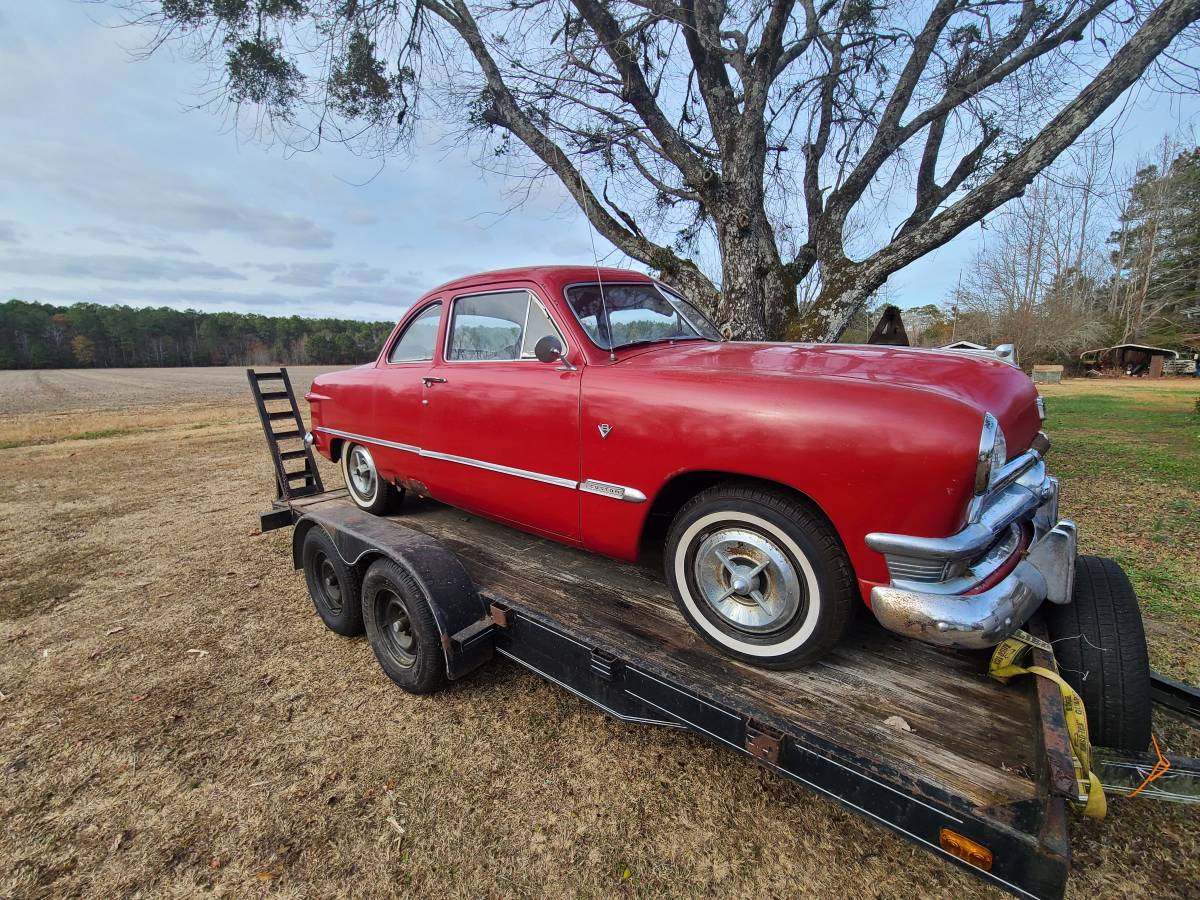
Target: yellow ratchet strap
1006	663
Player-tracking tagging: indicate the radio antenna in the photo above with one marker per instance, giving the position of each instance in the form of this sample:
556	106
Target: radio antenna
612	357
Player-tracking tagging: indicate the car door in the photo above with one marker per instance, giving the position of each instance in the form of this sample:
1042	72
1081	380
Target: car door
501	429
398	411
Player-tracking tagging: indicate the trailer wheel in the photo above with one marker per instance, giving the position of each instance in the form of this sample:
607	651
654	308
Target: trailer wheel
1100	646
333	585
366	488
760	575
401	629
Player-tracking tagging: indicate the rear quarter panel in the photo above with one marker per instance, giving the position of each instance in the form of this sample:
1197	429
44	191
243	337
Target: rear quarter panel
344	401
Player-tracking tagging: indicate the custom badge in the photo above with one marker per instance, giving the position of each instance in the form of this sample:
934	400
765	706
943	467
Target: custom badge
604	429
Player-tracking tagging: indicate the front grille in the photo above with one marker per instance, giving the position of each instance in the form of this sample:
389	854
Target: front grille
915	568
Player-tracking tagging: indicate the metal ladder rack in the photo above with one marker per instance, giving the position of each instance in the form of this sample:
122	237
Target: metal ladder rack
302	482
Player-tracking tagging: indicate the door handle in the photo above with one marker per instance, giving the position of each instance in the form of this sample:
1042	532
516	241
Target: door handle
432	380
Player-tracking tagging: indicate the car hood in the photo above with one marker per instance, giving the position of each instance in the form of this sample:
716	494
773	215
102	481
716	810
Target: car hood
987	385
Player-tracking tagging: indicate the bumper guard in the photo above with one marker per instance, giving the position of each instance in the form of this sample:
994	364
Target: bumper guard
945	612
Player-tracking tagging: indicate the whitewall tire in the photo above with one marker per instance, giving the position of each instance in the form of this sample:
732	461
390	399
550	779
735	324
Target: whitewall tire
760	574
366	487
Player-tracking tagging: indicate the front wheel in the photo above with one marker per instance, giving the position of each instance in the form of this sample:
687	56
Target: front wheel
760	574
366	488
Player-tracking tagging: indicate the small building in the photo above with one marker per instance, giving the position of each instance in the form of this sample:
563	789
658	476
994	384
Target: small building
964	345
1047	374
1132	359
1003	352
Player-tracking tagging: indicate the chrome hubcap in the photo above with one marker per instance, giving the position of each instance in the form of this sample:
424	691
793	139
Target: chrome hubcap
747	580
361	469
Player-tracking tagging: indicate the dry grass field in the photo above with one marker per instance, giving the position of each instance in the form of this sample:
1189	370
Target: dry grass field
175	720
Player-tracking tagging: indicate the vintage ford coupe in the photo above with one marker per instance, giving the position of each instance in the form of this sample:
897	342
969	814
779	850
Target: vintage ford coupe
782	483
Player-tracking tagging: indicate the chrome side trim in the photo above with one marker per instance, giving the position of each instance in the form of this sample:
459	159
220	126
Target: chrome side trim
505	470
379	442
592	486
615	491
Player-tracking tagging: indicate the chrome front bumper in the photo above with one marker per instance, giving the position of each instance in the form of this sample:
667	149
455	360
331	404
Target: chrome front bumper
930	596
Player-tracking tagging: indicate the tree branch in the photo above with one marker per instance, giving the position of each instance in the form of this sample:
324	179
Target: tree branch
1010	181
507	113
638	94
891	135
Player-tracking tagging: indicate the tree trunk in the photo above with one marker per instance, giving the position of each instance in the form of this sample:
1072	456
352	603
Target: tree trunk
844	290
758	298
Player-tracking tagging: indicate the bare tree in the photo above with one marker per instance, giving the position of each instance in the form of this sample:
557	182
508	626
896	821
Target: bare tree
762	127
1032	283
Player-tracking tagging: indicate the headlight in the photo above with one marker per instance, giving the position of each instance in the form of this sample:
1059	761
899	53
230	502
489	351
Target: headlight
993	452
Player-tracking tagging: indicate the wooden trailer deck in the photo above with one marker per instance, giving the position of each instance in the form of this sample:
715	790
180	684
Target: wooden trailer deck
971	736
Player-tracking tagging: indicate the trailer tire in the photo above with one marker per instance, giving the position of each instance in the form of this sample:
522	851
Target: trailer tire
366	487
334	586
1100	646
401	628
799	604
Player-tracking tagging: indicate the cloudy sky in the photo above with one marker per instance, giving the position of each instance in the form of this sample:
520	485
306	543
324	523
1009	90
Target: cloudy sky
113	188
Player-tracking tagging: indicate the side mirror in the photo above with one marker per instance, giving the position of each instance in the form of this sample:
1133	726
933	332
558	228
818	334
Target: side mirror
548	349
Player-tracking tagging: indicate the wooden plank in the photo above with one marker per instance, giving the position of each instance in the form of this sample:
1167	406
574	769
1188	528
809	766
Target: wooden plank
970	734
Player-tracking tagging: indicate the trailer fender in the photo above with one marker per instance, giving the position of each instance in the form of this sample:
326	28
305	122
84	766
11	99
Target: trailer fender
461	615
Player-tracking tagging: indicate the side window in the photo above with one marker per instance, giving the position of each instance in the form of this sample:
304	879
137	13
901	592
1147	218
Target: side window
496	327
419	338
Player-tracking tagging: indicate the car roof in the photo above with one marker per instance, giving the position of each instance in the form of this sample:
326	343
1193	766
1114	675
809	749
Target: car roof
554	277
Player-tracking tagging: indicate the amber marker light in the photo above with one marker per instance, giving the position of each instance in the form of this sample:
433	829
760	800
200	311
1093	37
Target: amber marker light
967	850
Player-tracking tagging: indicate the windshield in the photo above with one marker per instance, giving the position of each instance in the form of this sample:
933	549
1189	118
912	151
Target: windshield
637	313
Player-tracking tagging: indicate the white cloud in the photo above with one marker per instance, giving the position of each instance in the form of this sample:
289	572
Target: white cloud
128	189
361	273
113	267
315	274
360	216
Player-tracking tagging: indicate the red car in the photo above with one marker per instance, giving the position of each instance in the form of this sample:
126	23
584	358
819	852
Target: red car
782	483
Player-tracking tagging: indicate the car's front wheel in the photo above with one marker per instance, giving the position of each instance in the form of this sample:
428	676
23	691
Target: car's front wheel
367	489
760	574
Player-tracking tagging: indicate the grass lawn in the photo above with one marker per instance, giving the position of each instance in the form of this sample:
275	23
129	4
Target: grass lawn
1128	454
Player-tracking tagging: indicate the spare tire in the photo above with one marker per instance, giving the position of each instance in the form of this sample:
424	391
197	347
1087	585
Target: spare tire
1100	647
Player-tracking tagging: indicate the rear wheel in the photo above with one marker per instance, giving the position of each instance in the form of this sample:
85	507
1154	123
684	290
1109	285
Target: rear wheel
333	585
760	575
401	629
1100	647
367	489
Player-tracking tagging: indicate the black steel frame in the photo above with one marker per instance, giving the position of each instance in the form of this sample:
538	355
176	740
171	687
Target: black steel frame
1029	844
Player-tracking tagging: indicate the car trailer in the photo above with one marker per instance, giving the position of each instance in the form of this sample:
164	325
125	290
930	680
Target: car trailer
915	738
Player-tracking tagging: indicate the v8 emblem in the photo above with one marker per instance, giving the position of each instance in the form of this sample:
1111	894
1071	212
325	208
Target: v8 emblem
604	430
